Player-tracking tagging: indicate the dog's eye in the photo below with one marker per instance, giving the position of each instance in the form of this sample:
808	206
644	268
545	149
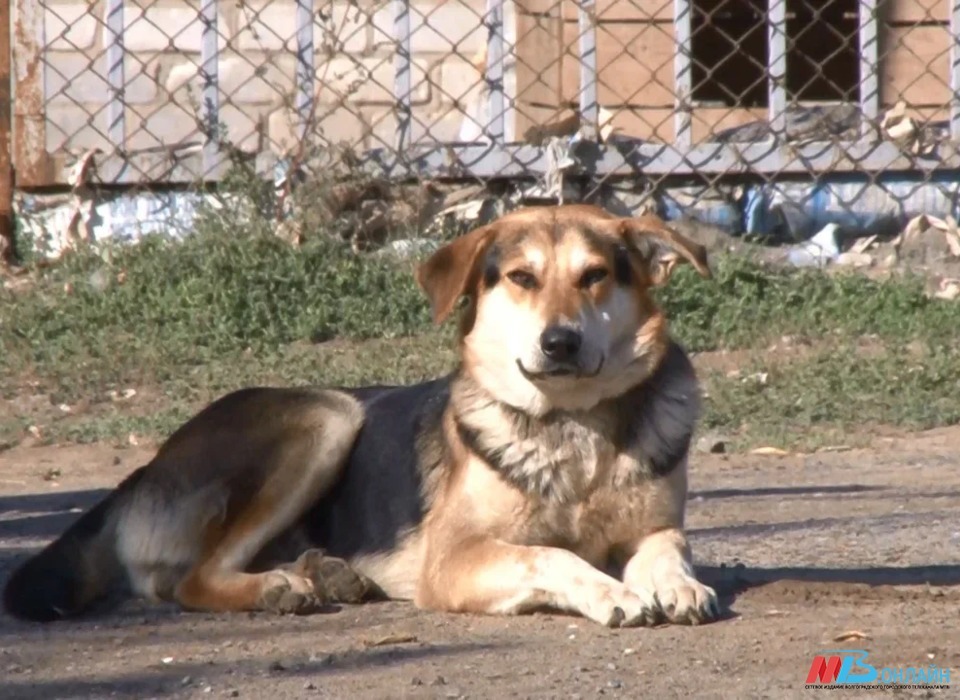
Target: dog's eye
522	279
592	276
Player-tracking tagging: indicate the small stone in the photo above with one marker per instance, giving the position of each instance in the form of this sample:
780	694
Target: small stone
234	693
439	680
187	680
276	666
309	686
713	444
614	684
611	667
416	681
854	259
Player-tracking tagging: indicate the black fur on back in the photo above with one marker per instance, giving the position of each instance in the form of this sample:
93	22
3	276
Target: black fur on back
381	494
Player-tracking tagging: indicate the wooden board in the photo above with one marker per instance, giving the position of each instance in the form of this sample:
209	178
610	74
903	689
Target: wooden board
534	122
539	59
607	10
657	124
915	65
634	63
913	11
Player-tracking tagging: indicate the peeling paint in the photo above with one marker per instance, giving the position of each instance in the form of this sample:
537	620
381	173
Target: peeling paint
29	118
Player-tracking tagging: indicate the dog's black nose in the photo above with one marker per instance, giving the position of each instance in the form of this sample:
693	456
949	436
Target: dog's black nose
560	343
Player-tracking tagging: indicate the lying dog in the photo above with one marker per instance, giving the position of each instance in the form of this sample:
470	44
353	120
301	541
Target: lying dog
554	454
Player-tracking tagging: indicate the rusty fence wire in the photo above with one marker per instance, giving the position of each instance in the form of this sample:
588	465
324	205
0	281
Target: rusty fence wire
760	116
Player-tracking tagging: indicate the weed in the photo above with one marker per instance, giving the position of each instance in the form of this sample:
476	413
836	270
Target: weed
233	305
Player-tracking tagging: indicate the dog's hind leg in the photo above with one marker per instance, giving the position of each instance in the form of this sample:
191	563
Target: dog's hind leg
306	461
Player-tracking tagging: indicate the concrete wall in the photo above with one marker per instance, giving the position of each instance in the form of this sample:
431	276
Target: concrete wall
354	65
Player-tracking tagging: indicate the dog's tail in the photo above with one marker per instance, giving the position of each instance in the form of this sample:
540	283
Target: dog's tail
74	570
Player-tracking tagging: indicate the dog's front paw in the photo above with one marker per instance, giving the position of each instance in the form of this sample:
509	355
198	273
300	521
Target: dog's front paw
618	606
684	600
287	594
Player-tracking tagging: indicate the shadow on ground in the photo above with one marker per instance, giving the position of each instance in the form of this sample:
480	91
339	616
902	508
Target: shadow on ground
170	679
44	515
732	581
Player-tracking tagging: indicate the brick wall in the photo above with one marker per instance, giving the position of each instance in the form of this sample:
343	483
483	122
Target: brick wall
353	61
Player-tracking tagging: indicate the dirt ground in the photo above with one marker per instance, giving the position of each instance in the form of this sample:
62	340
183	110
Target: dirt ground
802	548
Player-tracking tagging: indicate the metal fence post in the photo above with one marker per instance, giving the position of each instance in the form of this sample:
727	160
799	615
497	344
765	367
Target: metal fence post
6	162
30	159
682	10
113	38
494	69
777	66
869	67
209	58
589	107
402	78
305	68
955	71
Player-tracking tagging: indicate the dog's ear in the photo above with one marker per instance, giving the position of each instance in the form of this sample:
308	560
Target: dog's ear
661	248
452	271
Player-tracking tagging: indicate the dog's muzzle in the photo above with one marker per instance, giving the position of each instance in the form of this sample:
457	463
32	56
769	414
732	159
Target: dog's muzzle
572	370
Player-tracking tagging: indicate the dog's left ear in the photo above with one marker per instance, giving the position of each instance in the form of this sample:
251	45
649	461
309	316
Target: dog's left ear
661	248
452	271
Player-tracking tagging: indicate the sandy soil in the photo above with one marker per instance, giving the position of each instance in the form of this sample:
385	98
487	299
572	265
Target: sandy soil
803	549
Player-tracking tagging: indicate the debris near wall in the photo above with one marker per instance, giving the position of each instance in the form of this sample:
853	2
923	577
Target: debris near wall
834	222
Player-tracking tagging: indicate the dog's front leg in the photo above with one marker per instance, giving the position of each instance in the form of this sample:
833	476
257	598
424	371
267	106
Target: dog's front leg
662	565
495	577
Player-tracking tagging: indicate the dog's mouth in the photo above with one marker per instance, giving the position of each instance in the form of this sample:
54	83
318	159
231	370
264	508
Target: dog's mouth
573	371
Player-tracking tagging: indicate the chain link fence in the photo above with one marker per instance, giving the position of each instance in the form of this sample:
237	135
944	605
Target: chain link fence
768	117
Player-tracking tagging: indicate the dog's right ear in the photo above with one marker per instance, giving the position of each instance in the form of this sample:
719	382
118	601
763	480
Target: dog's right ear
452	271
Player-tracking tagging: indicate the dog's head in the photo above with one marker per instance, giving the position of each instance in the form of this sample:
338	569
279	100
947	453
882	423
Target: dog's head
560	312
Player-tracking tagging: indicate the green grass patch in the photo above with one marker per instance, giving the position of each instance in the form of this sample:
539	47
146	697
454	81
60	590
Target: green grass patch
184	322
834	394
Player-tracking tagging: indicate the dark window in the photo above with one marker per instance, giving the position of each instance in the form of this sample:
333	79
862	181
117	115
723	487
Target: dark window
823	51
731	51
729	47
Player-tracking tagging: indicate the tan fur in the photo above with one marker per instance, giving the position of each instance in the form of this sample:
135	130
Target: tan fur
534	485
538	552
491	547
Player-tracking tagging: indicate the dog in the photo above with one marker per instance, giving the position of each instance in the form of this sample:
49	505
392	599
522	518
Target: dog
547	471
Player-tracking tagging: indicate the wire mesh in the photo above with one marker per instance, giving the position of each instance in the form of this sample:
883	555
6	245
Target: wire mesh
708	108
